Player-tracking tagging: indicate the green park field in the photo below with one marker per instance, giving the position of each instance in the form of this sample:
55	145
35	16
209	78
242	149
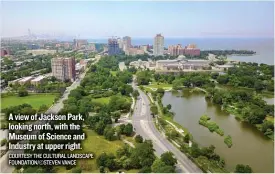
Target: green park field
105	100
94	144
102	100
35	100
160	85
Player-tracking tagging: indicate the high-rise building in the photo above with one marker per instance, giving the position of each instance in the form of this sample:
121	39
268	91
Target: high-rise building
176	50
192	50
120	43
158	45
113	47
63	68
78	44
126	43
134	51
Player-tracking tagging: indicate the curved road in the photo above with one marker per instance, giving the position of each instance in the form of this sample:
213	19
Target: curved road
144	125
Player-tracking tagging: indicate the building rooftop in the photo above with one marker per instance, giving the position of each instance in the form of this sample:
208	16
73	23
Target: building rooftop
26	79
171	65
167	61
37	79
197	60
225	66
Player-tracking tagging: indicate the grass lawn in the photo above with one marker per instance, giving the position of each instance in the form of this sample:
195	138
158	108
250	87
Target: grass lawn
160	85
130	139
105	100
113	73
102	100
93	144
270	118
35	100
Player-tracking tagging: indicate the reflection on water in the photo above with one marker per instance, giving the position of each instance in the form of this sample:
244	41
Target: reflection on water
249	145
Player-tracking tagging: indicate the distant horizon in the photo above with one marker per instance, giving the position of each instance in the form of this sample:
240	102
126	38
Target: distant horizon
175	19
165	37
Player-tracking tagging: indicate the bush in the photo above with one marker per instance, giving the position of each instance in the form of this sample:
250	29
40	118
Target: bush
228	141
220	132
186	138
128	130
240	168
23	93
145	169
139	139
4	142
77	170
212	126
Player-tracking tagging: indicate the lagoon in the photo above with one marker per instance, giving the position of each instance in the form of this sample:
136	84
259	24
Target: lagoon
250	146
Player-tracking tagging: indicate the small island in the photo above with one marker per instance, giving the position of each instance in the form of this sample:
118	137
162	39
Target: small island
228	141
212	126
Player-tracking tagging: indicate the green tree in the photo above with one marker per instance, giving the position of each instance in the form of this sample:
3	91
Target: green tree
116	115
240	168
214	75
267	125
22	92
168	159
139	139
186	138
101	169
99	127
169	106
135	94
43	108
4	142
143	155
223	79
77	170
128	130
109	133
145	169
195	150
154	109
160	167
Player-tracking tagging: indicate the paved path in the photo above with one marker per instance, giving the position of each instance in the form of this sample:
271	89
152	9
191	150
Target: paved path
144	125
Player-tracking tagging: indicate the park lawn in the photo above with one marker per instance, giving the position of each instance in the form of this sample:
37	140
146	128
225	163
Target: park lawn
160	85
102	100
35	100
105	100
113	73
130	139
270	118
93	144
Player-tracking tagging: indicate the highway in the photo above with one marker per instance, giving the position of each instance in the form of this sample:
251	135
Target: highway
143	124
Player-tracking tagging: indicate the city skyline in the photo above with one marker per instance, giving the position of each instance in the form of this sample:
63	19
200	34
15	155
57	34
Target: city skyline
171	19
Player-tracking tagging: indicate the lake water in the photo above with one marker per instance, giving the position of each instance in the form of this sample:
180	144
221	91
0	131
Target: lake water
250	146
264	47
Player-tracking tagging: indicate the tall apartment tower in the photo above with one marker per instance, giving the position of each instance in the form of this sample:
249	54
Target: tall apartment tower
113	47
63	68
158	45
126	43
120	43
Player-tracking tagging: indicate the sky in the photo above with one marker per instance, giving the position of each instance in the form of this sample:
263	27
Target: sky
97	19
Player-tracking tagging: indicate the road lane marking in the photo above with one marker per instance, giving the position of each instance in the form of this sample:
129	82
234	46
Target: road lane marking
147	129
